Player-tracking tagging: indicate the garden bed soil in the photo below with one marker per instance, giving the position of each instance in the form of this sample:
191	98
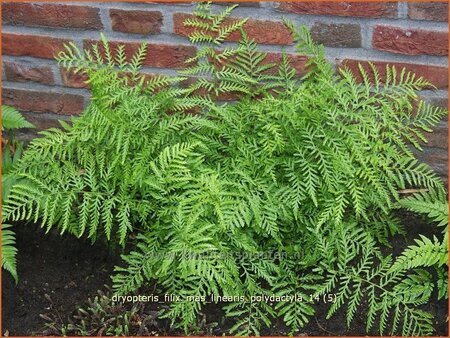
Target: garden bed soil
58	274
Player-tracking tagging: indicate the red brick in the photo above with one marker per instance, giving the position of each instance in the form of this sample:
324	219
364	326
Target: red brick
73	80
43	102
51	15
437	75
18	72
32	45
136	22
70	79
358	9
264	32
296	61
410	41
337	35
436	11
158	55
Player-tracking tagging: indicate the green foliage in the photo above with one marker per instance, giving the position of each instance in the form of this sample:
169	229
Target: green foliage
432	204
428	252
11	153
9	250
11	147
212	28
392	297
289	190
240	70
12	119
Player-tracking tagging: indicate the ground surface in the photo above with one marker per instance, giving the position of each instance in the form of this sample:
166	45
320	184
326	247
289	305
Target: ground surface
57	274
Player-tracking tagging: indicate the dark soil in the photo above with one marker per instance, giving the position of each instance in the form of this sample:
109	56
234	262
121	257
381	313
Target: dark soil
54	273
58	274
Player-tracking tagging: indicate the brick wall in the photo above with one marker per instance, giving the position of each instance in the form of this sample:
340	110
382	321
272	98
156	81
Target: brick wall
413	35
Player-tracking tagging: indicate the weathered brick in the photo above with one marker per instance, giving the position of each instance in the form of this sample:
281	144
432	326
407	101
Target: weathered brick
337	35
32	45
436	11
51	15
72	79
410	41
169	2
43	102
78	80
438	76
136	22
439	137
296	61
43	121
357	9
20	72
436	158
436	101
264	32
158	55
240	3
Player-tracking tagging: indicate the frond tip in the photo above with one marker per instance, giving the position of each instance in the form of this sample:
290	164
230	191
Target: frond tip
12	119
9	251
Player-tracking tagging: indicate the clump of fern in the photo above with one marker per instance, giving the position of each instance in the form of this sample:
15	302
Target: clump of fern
11	152
305	170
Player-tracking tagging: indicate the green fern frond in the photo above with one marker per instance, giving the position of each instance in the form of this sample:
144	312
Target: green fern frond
12	119
9	251
433	204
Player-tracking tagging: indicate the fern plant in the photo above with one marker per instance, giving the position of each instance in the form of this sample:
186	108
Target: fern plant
306	171
11	152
